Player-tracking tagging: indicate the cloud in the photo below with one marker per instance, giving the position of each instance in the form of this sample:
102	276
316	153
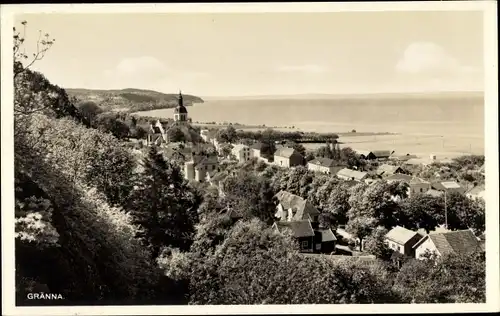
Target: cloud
430	58
144	68
311	69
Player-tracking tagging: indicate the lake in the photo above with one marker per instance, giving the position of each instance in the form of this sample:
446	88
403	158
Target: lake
446	126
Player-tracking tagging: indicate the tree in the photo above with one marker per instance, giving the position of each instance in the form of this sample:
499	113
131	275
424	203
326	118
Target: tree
108	122
164	206
89	110
176	134
378	201
450	279
464	213
423	211
44	43
227	135
226	149
250	195
349	156
375	244
361	227
324	152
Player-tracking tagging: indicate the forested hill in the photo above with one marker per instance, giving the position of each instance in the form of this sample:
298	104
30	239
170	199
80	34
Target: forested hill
131	100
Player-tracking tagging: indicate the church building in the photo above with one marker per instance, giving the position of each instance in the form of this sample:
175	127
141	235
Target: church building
180	111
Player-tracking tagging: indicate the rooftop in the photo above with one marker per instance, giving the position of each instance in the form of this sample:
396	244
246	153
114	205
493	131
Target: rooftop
301	208
349	173
299	228
324	162
462	241
286	152
400	235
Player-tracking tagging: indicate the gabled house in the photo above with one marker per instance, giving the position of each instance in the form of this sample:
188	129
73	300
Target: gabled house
302	230
415	184
349	174
256	148
241	152
477	192
288	157
197	168
440	244
374	154
324	240
448	187
402	240
418	185
292	207
325	165
156	134
382	154
386	170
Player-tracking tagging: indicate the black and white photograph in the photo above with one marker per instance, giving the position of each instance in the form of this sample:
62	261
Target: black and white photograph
288	156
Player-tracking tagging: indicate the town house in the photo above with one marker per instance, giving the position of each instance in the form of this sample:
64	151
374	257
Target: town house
415	184
440	244
325	165
349	174
402	240
200	164
288	157
301	217
386	170
241	152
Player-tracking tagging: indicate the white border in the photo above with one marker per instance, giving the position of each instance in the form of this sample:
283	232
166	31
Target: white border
491	152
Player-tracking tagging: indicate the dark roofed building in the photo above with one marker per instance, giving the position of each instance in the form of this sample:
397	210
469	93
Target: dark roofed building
382	154
388	170
292	207
458	242
302	231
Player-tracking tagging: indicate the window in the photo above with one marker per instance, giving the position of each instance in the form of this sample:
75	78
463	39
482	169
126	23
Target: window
421	190
304	244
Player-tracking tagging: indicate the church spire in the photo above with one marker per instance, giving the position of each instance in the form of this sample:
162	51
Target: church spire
181	102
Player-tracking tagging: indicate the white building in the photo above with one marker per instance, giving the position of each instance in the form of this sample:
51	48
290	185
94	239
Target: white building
241	152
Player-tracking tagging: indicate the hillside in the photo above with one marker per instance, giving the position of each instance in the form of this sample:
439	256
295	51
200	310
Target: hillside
131	100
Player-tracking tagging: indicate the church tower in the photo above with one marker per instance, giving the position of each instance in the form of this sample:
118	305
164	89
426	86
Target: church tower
180	112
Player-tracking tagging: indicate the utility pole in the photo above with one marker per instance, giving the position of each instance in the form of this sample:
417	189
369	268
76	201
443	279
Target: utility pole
445	212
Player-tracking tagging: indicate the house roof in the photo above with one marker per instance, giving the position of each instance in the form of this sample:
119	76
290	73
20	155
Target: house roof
400	235
477	190
301	207
434	193
204	160
417	180
461	241
381	153
446	185
324	162
299	228
364	152
238	147
399	177
327	235
285	152
348	173
387	169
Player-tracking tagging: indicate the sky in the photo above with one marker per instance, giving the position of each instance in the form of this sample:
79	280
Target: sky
241	54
